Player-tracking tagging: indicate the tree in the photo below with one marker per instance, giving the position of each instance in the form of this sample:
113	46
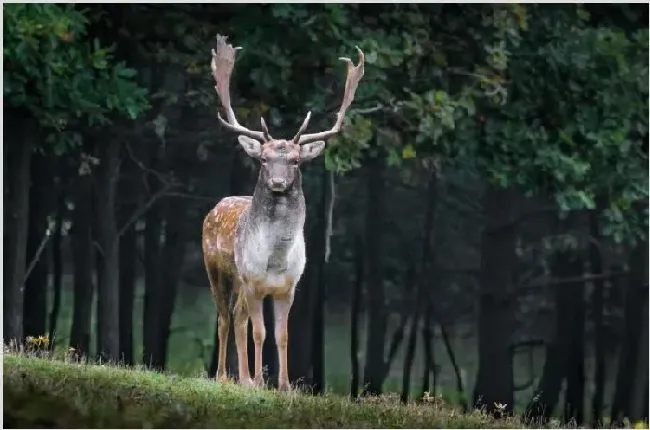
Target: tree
56	80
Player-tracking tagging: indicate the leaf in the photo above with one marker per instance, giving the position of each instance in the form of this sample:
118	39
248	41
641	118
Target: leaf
133	112
586	200
393	159
566	137
408	152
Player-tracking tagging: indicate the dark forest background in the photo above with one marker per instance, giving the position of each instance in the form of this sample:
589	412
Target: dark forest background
478	231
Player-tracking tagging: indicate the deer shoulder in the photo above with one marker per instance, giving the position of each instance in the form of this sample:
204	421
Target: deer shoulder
219	229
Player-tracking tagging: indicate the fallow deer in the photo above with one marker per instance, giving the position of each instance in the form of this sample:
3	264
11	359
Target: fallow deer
257	241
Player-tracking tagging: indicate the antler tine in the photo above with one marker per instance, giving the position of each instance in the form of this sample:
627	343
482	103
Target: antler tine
355	73
303	127
265	130
223	62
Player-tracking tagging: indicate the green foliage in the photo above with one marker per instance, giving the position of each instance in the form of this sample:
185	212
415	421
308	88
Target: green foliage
577	120
59	76
534	97
555	106
344	153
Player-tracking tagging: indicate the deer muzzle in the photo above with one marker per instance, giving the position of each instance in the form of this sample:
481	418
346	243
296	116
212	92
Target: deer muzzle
277	185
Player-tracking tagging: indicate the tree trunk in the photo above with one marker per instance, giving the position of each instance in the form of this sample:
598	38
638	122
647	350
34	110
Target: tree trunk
35	305
425	259
152	262
409	355
373	374
639	388
318	303
646	404
355	313
575	372
634	325
558	352
598	302
82	255
129	191
128	259
172	263
152	278
494	382
318	332
57	264
428	352
454	363
17	167
107	173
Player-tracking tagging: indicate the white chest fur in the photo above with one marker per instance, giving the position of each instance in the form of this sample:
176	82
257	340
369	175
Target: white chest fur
272	251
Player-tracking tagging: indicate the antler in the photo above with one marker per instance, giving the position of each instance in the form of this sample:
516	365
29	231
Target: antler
355	73
223	62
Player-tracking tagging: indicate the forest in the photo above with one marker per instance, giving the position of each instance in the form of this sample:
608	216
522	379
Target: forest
476	231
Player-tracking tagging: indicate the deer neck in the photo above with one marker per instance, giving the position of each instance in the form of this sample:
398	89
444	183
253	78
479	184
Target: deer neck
287	207
271	236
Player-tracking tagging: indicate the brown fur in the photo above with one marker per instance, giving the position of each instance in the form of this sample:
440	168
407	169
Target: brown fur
219	228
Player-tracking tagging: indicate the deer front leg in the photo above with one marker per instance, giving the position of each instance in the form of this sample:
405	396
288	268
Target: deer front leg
241	335
256	312
281	308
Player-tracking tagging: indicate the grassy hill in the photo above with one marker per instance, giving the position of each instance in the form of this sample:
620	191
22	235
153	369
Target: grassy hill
42	393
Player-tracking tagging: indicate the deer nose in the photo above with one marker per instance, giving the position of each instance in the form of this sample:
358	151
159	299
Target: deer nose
277	183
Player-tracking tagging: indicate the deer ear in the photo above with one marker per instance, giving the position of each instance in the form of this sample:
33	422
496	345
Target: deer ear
309	151
251	146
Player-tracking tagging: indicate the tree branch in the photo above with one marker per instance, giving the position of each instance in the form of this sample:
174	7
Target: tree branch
528	345
569	280
398	334
138	212
145	169
37	255
329	214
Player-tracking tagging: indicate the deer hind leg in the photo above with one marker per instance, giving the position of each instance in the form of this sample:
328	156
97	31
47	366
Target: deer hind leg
241	337
220	294
255	310
281	308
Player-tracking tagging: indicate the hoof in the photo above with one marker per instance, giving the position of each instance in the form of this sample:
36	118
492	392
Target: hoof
284	386
223	379
247	382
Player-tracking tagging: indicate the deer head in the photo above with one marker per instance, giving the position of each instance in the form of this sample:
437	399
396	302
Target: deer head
280	159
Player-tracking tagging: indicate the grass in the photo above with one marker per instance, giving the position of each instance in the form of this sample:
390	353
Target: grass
44	393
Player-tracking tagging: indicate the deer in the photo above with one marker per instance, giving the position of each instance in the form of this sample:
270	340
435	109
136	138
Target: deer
257	242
